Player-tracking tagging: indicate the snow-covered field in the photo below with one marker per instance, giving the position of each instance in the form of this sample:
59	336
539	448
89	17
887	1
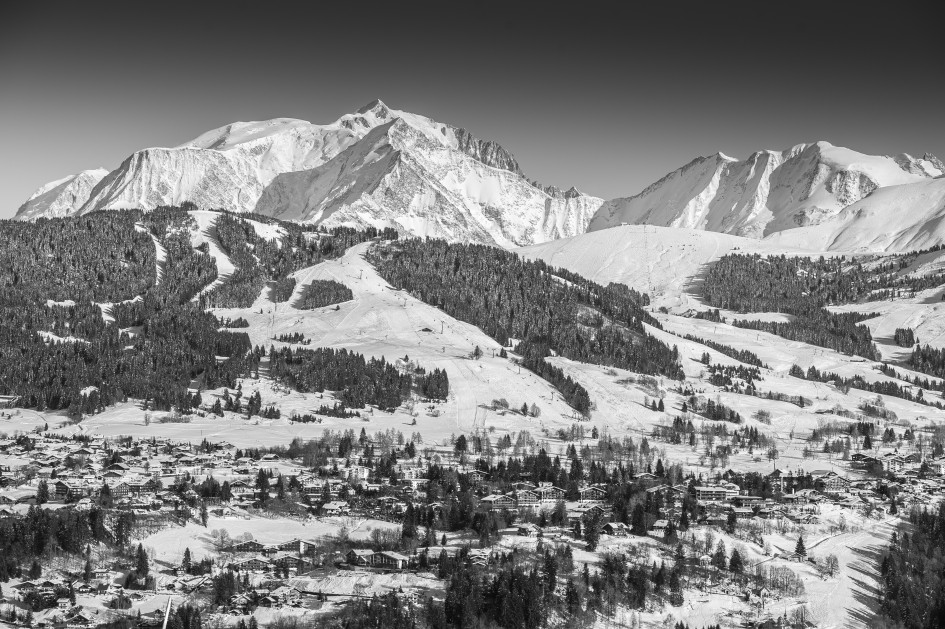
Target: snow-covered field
168	546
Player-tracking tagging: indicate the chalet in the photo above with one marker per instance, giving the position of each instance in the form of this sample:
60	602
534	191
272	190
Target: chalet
138	486
582	513
893	463
248	546
705	494
748	501
528	530
548	494
70	489
769	512
526	499
593	494
241	488
832	484
80	620
293	545
476	476
617	529
659	528
286	595
356	473
410	473
390	560
252	564
22	589
743	513
240	600
497	502
336	507
289	560
938	466
360	557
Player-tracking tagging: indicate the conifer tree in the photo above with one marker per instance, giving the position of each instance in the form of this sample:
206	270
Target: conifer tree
735	564
142	567
799	548
718	558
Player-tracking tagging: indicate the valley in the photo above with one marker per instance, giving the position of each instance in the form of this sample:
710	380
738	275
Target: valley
299	375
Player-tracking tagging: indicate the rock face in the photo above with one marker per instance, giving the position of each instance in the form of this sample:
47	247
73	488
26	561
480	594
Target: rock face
769	192
62	197
485	151
377	166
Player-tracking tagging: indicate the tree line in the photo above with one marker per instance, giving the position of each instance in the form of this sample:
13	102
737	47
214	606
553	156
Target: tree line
883	387
913	573
356	380
321	293
259	260
741	355
102	267
547	310
801	287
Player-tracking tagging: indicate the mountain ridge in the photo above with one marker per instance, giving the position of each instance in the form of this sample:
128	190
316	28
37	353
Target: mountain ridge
426	178
767	192
232	168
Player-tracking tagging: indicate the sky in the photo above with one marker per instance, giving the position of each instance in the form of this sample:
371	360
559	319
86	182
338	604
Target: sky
605	99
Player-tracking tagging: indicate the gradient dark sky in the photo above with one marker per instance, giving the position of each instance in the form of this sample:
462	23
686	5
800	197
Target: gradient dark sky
606	100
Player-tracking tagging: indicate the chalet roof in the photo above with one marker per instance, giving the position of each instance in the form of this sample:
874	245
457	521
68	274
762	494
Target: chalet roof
393	555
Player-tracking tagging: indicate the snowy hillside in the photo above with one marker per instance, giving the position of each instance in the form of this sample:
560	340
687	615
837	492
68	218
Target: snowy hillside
62	197
893	219
662	262
770	191
376	166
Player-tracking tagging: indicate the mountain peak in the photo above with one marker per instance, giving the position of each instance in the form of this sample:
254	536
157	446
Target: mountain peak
376	107
769	191
62	197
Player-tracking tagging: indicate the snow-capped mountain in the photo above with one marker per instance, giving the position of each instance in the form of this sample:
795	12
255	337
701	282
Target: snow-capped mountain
429	182
891	220
62	197
770	191
377	166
